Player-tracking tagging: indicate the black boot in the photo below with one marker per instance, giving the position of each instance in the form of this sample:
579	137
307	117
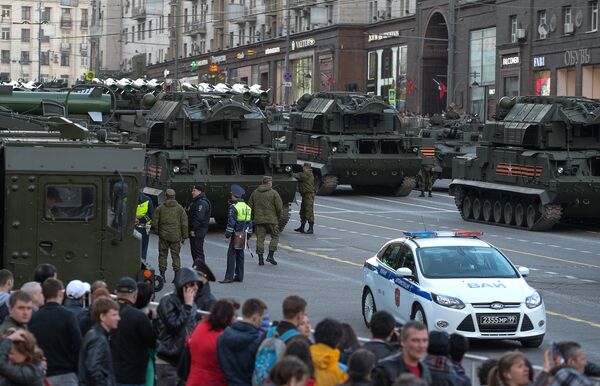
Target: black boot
301	227
270	258
310	230
261	260
162	274
430	194
422	194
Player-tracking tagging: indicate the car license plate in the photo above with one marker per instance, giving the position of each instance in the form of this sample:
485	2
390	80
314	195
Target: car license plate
497	319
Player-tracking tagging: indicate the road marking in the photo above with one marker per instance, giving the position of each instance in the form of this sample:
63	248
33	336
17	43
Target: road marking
551	273
361	223
585	251
569	249
588	280
571	277
551	258
572	318
320	255
554	246
407	203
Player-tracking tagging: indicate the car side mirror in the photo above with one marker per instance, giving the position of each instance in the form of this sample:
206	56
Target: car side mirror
404	272
524	271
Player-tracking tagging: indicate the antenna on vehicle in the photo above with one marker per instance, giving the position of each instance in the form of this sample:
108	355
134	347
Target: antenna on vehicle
423	221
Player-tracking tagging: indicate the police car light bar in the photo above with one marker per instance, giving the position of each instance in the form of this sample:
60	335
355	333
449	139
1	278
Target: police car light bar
426	234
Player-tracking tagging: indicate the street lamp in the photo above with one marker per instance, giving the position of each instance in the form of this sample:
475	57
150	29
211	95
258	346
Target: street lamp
475	75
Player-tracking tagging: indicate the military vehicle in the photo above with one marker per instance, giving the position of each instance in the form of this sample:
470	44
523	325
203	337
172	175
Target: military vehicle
69	196
453	137
352	138
537	164
216	136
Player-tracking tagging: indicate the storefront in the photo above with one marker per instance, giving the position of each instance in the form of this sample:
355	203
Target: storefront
541	76
510	72
482	72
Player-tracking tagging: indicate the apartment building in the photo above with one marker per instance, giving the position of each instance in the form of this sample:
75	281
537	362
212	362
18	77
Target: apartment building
44	40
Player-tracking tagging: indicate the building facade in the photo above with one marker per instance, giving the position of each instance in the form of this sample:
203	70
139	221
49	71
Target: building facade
43	41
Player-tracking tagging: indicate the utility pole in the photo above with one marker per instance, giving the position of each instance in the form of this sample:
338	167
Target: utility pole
450	79
177	25
40	21
286	64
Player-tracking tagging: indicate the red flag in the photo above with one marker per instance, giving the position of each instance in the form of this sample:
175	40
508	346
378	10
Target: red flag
410	85
442	88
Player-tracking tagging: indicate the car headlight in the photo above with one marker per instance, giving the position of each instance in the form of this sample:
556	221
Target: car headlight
448	301
533	300
415	149
175	169
288	168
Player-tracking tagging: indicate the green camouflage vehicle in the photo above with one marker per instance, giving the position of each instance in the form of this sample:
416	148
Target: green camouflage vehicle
537	164
216	137
352	138
69	197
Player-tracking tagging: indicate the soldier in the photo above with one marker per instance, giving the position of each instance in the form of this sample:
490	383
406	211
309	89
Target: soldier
143	220
171	224
266	207
239	228
306	187
426	179
199	212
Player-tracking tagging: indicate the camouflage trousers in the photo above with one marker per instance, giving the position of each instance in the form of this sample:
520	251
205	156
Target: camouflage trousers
426	181
163	251
261	231
307	213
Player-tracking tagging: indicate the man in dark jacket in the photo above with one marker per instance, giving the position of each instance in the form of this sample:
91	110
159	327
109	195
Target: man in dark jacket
204	298
238	344
131	341
239	221
198	212
171	223
95	359
383	330
143	220
437	360
459	345
414	341
57	332
266	207
306	187
177	317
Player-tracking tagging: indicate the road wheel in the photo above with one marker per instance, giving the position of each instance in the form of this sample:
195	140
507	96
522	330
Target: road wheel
508	212
497	211
419	315
534	342
325	186
467	206
477	208
487	210
519	214
159	282
368	306
532	215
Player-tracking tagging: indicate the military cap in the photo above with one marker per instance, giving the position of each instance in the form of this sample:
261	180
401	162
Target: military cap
170	193
204	271
237	190
267	179
199	187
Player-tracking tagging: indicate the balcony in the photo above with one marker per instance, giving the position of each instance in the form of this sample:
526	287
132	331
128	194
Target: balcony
249	16
65	47
195	28
301	3
66	22
271	7
69	3
139	13
45	39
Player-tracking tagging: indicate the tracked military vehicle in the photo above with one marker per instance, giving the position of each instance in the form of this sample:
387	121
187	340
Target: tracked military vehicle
68	198
539	163
351	138
215	136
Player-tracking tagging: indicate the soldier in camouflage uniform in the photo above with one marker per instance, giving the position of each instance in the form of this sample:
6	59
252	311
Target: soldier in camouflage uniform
266	207
426	179
171	223
306	187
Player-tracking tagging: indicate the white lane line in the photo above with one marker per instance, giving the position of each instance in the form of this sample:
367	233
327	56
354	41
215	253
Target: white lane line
554	246
538	243
409	204
585	251
523	241
569	249
534	269
571	277
551	273
588	280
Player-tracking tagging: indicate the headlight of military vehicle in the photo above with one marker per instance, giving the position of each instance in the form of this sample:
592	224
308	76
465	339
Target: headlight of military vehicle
333	149
288	168
416	149
448	301
533	300
176	169
560	170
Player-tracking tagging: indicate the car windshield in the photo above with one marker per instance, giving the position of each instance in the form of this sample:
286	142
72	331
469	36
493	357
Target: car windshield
458	262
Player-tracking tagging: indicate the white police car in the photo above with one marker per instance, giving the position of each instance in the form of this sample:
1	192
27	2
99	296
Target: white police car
453	282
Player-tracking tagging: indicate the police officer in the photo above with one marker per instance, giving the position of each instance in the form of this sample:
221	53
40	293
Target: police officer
143	220
266	207
171	224
239	223
199	212
306	187
426	179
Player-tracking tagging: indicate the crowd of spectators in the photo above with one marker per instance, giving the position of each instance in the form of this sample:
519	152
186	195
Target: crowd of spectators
80	335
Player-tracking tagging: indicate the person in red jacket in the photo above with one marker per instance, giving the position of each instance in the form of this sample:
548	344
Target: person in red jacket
204	367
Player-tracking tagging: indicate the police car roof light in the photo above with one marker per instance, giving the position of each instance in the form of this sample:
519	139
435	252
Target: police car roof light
420	234
468	233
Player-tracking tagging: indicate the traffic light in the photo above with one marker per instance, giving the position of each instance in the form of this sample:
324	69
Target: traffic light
194	64
214	68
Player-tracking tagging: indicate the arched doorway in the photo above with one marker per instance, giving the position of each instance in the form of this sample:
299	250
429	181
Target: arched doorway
435	65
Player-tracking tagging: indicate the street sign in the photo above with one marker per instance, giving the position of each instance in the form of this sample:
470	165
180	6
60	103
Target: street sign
287	76
89	75
287	84
392	95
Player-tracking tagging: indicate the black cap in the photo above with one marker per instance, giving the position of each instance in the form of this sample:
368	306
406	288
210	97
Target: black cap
198	187
204	271
126	285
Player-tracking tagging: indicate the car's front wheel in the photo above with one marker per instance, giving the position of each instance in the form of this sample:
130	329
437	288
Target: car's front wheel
534	342
418	314
368	306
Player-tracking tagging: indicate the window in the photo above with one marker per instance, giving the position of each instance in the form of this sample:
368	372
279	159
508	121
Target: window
542	26
594	16
591	81
542	82
568	20
133	34
565	82
26	13
513	29
511	86
25	35
139	29
64	58
5	57
150	29
70	202
24	57
386	63
46	14
149	58
372	65
5	11
390	256
84	18
45	58
5	33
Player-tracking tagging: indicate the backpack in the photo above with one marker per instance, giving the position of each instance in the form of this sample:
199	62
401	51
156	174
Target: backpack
269	351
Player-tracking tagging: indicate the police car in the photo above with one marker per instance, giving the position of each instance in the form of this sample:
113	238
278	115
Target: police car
453	282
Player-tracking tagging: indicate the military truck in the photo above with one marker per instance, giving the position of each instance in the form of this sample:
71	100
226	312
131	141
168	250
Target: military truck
352	138
69	198
216	137
537	164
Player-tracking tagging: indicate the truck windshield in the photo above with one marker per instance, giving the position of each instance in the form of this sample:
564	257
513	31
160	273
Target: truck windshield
70	202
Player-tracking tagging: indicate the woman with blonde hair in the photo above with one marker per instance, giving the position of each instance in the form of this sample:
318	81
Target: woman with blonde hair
20	359
513	369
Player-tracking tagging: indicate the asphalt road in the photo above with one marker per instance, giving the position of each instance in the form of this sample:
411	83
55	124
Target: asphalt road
325	268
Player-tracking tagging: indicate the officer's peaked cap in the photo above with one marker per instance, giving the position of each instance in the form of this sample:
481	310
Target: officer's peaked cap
237	190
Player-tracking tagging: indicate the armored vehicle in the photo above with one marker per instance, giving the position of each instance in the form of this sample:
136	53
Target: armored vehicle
453	137
538	163
215	137
68	199
351	138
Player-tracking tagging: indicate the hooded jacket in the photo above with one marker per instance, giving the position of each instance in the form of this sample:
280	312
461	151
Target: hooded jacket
236	349
176	320
171	221
326	363
266	205
23	374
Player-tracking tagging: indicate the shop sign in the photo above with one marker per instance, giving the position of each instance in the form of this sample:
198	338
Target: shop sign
491	91
274	50
304	43
510	60
539	61
218	59
240	55
579	56
202	62
383	35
